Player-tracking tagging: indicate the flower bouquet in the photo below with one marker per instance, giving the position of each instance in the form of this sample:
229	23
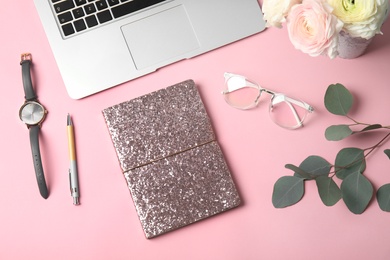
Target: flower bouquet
333	28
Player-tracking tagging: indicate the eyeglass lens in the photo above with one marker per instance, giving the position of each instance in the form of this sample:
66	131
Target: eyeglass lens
287	114
242	98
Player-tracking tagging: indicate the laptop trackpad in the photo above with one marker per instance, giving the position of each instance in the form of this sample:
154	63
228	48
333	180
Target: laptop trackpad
160	37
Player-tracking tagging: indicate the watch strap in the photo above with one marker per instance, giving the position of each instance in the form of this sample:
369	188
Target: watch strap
27	82
36	155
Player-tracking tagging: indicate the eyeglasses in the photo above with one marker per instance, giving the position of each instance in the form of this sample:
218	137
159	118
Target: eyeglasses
244	94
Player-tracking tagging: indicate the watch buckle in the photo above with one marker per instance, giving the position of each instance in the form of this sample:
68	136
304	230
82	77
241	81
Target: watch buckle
25	56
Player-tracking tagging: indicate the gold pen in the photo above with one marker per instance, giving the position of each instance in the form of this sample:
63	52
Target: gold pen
73	175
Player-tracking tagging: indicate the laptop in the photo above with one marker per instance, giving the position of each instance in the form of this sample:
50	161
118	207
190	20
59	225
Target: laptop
99	44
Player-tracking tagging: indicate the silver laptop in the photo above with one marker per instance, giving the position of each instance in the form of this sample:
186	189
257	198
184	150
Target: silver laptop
99	44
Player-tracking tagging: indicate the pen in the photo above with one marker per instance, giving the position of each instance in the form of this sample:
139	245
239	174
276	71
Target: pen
73	176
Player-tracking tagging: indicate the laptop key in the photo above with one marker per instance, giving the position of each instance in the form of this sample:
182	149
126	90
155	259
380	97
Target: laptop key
64	6
90	8
77	13
101	4
113	2
132	6
79	25
80	2
68	29
65	17
91	21
104	16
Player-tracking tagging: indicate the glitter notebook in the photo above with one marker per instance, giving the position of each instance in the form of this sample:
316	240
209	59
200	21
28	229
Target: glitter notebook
174	167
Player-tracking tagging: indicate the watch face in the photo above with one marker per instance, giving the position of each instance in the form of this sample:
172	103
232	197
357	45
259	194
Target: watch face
32	113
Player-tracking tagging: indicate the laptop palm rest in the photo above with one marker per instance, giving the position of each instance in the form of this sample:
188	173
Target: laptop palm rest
161	38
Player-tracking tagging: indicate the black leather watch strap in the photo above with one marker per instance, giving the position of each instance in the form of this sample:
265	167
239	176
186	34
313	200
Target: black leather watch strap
34	132
27	82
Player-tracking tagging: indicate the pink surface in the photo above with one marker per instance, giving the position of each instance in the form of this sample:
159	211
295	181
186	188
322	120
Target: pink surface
106	226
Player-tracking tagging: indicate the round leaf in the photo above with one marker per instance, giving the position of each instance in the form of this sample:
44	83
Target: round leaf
383	197
337	132
329	192
387	152
298	172
288	190
338	100
348	161
372	127
315	166
357	192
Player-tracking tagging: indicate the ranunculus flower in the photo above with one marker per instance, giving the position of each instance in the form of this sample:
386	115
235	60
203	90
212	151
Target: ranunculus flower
362	18
275	11
313	29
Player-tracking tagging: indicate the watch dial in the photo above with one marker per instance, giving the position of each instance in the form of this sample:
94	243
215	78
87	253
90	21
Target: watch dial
32	113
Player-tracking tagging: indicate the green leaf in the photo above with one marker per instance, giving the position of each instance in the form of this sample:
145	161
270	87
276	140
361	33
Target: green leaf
357	192
338	100
315	166
387	152
348	161
288	190
329	192
337	132
371	127
383	197
298	172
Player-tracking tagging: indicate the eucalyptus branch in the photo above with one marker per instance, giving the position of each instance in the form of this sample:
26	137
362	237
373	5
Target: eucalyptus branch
356	122
372	148
355	190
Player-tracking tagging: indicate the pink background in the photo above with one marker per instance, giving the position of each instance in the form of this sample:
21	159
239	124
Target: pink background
106	226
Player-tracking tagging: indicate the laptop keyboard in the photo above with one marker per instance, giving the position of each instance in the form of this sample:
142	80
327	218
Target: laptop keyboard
76	16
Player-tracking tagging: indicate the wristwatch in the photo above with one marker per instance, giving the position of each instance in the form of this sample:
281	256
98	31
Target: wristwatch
33	113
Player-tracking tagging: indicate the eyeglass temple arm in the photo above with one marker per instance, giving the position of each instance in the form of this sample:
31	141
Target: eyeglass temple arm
299	121
302	104
290	100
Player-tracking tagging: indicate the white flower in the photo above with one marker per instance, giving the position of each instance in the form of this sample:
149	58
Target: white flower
313	29
362	18
276	11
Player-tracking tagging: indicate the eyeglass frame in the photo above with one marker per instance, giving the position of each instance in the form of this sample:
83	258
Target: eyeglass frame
252	84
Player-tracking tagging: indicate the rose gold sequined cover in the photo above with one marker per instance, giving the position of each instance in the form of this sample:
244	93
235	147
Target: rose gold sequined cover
173	166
